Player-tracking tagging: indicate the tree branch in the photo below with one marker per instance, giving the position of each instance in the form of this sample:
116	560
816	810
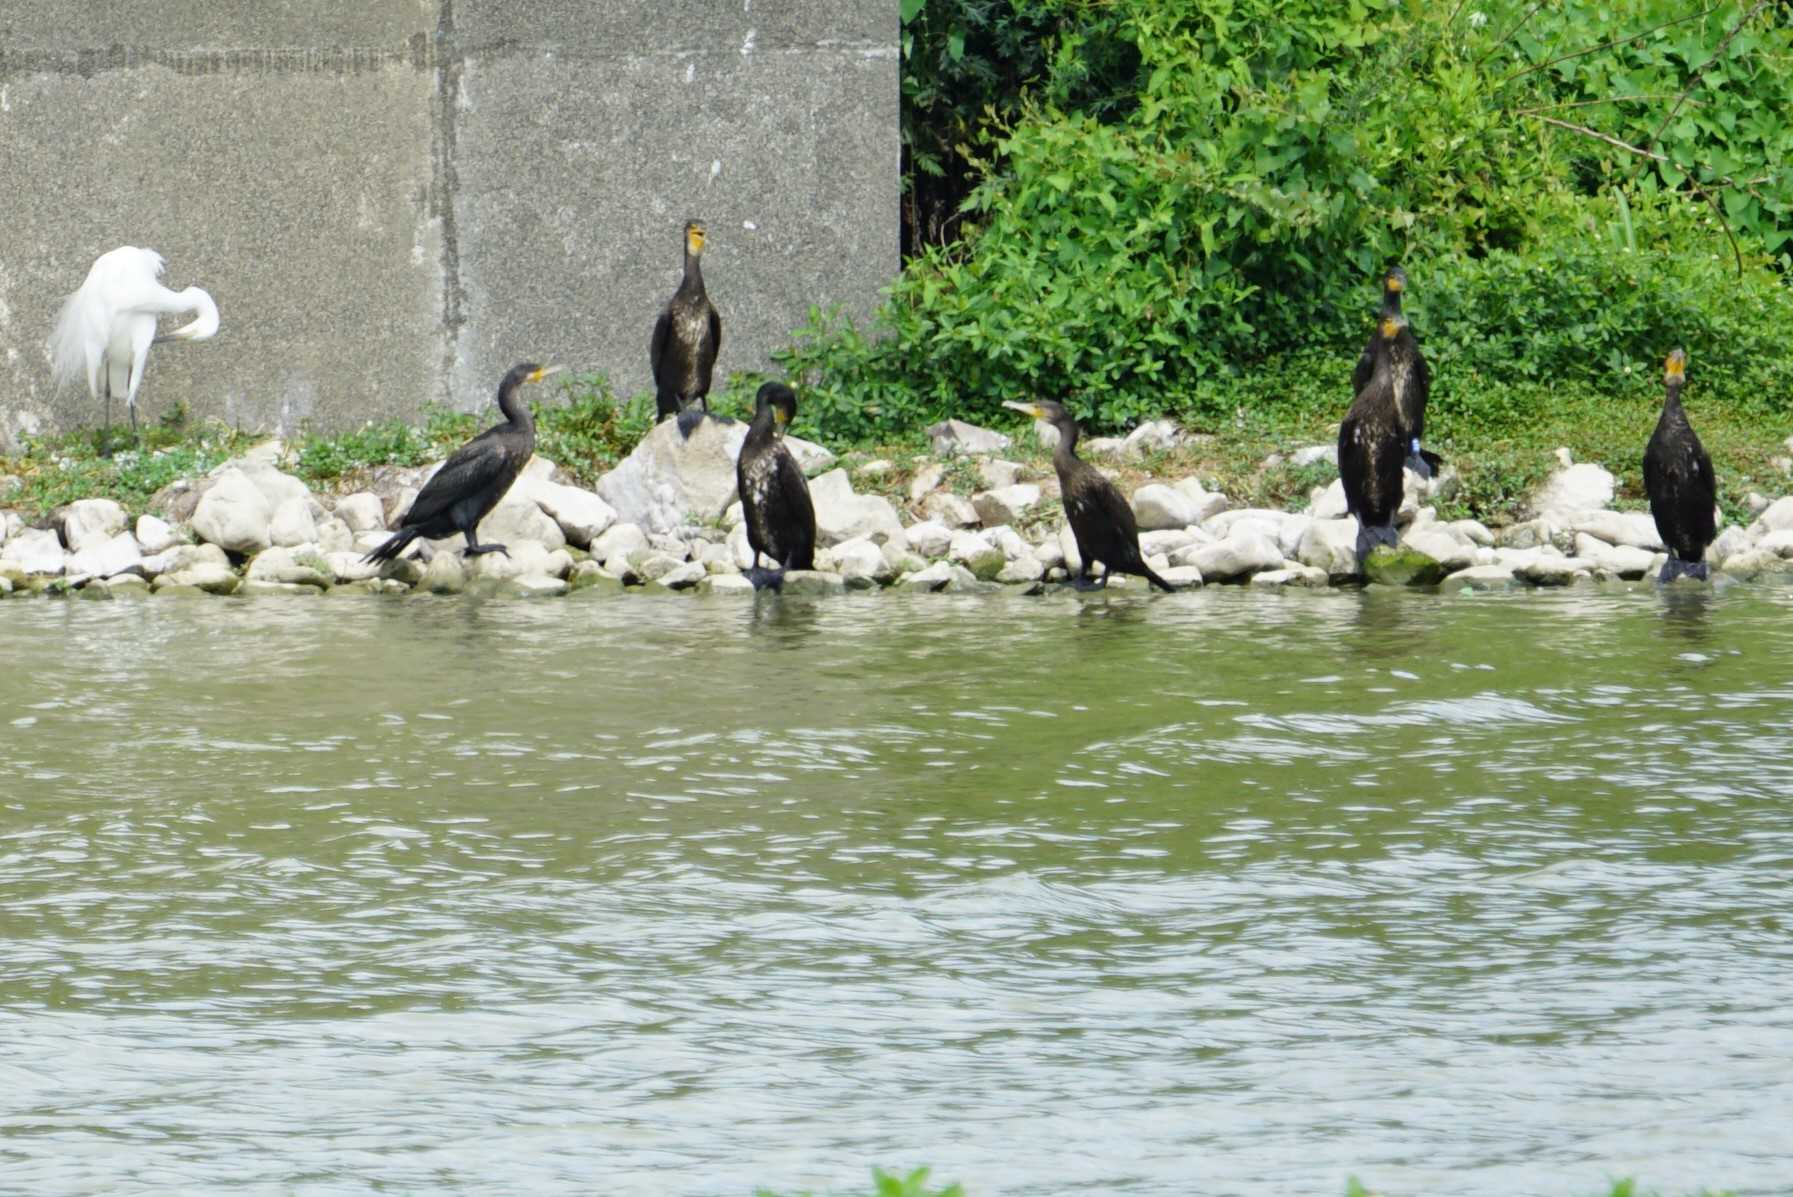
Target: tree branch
1618	41
1692	83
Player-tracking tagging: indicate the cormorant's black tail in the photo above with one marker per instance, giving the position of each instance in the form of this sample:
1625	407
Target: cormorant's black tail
1371	535
1146	572
395	544
765	579
1425	463
689	418
1674	568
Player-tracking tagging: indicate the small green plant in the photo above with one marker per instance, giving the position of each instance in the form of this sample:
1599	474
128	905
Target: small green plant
886	1184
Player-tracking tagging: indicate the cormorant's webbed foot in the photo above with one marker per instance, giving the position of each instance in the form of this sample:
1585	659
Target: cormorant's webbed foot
1082	581
479	550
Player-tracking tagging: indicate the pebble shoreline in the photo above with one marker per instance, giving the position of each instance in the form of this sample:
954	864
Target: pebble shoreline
666	520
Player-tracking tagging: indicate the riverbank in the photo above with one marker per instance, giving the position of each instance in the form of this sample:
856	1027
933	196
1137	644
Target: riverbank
915	1184
976	509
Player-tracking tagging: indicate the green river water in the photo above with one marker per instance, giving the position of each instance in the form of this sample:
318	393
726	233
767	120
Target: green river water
1212	893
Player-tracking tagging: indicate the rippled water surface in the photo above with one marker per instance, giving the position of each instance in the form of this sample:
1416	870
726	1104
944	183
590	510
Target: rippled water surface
1218	893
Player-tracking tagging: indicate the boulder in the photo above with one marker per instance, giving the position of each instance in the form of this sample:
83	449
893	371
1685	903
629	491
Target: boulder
293	524
1292	575
1634	528
363	511
1233	559
930	538
1025	568
1472	531
348	566
876	468
88	522
1778	517
156	535
1573	490
582	515
1153	436
1401	566
1169	540
842	515
1158	507
302	568
935	577
1730	542
1005	505
735	584
208	576
620	540
518	518
234	514
955	437
1067	548
976	553
859	560
944	507
995	473
106	558
1441	546
1755	563
683	576
1549	569
445	574
812	458
1479	577
926	479
1329	503
1183	577
1309	455
811	583
35	551
669	480
1330	545
118	586
1614	560
535	586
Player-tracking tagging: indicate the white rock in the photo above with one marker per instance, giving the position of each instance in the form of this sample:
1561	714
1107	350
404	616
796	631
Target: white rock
1025	568
930	538
1158	507
1551	570
582	515
683	577
1046	435
205	575
518	518
1006	505
620	540
234	514
1169	540
1289	536
1330	545
1577	489
1183	577
346	566
935	577
926	479
996	473
739	548
976	553
1634	528
303	568
842	515
1753	563
1777	518
1071	559
669	481
1479	577
1233	558
362	512
877	468
293	524
1730	542
860	559
156	535
944	507
1617	561
1472	531
952	437
1153	436
1309	455
812	458
1294	575
1103	446
88	522
105	558
34	551
735	584
1330	504
445	574
1441	546
1265	521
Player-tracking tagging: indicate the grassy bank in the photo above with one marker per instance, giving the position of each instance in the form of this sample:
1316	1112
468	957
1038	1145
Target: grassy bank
1500	438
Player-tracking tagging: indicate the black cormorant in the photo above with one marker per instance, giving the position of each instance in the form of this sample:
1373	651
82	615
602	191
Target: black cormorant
687	336
781	520
1411	392
1678	476
1371	440
475	476
1100	519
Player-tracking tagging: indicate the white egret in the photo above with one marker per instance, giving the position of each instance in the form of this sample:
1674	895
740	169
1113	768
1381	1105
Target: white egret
105	328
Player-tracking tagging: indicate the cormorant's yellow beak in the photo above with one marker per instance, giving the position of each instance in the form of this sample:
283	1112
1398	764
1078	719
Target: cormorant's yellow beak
1390	328
779	417
694	239
543	373
1675	369
1394	282
1028	408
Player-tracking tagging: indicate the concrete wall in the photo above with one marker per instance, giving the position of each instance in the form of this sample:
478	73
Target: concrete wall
395	200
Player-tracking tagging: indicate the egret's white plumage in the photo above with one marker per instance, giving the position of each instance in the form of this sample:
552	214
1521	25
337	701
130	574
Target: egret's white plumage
105	328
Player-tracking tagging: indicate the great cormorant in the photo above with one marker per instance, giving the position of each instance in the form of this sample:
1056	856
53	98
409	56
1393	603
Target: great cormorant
1101	521
475	476
686	339
1371	440
1678	477
781	520
1411	392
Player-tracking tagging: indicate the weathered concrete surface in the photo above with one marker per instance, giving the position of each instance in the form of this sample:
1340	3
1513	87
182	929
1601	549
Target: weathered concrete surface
394	201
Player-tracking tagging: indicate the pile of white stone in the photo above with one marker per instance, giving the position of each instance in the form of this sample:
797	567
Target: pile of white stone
667	519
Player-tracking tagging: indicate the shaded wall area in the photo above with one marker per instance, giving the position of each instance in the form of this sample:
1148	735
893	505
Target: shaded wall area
394	201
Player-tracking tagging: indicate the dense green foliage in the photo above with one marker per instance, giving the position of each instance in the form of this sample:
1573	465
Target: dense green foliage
55	470
1175	194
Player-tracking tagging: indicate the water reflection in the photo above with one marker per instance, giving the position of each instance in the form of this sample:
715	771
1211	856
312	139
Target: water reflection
685	896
